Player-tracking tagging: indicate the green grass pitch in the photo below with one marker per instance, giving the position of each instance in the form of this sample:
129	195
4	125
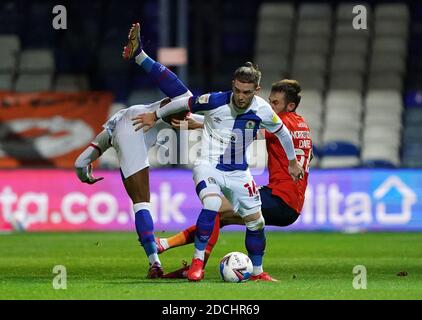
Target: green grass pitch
308	265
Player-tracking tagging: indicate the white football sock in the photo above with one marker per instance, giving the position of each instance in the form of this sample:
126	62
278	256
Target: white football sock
153	258
199	254
141	57
257	270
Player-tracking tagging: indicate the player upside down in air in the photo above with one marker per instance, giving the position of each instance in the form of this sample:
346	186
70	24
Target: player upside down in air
132	147
231	122
282	199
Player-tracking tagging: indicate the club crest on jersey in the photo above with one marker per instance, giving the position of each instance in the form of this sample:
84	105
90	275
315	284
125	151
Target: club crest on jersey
205	98
211	180
275	118
250	124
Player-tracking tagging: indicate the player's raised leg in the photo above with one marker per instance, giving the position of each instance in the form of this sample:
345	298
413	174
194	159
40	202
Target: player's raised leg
165	79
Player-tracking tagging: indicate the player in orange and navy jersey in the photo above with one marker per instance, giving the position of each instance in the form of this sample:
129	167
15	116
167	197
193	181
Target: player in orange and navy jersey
282	199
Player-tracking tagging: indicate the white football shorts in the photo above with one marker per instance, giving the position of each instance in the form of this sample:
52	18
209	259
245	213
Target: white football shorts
237	186
131	146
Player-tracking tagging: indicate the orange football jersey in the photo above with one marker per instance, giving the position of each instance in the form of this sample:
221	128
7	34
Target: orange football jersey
281	183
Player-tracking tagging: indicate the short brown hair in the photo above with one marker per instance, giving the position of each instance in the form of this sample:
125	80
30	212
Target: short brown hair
248	73
291	89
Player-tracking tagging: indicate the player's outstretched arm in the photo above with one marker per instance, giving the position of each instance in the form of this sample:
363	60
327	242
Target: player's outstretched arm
85	175
83	164
149	119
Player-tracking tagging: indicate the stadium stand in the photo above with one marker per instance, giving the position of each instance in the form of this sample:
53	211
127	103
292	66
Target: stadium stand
347	75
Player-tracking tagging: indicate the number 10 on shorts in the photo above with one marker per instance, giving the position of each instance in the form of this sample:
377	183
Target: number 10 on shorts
252	189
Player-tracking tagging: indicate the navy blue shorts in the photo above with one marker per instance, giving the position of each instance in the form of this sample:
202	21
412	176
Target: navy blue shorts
275	211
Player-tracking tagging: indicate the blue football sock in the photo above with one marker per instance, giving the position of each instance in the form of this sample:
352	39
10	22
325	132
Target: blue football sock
255	244
164	78
204	227
145	230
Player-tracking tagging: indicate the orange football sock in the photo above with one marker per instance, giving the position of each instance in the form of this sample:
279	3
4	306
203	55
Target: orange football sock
185	237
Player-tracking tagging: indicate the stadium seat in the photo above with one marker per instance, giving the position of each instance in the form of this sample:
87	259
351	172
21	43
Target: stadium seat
6	82
37	61
351	45
310	80
387	11
311	108
387	44
377	152
272	63
309	11
394	28
314	28
312	44
7	62
343	29
385	80
350	118
274	27
348	62
340	148
387	63
382	99
71	83
329	162
311	62
343	99
341	134
276	10
10	43
383	122
379	134
276	44
311	99
346	80
33	82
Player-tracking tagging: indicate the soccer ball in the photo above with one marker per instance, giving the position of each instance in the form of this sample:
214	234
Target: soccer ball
235	267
